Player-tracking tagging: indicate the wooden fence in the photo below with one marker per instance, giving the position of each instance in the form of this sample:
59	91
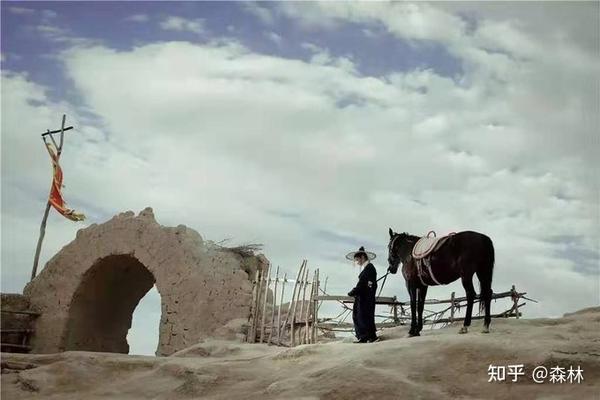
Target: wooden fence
284	317
399	315
285	312
16	330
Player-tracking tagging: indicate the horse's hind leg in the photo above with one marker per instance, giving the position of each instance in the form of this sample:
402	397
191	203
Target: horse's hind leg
467	282
486	297
422	294
412	292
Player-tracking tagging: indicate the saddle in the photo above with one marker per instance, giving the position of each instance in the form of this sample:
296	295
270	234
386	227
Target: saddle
428	245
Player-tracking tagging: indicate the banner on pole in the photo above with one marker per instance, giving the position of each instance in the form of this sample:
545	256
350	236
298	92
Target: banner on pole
56	199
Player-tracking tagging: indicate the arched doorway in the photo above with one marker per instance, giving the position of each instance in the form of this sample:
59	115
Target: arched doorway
101	311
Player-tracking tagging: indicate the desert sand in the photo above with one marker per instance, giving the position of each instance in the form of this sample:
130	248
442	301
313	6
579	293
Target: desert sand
440	364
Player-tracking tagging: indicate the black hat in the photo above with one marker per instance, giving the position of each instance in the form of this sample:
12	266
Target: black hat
370	256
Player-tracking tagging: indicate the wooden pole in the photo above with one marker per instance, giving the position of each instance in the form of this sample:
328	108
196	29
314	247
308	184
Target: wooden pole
452	307
310	311
264	315
324	291
515	299
279	310
253	307
258	302
292	301
273	306
307	313
304	284
40	240
38	248
293	317
315	308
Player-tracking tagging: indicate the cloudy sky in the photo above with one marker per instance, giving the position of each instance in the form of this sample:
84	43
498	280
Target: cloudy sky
312	128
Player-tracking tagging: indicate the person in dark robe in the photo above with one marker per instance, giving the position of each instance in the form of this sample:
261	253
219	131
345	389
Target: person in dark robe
363	312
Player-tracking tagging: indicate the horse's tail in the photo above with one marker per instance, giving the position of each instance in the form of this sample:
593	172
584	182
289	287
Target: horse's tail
492	255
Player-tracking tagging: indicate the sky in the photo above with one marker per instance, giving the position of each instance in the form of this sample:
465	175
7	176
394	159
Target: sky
312	128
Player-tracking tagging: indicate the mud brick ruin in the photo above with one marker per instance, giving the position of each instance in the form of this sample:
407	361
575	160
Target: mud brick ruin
86	294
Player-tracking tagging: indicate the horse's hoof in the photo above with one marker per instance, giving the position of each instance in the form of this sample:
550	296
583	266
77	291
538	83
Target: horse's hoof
463	330
485	330
413	334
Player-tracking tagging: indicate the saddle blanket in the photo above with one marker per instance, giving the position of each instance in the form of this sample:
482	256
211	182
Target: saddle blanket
427	245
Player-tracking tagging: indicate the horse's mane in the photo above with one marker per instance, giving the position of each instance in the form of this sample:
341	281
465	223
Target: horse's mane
407	236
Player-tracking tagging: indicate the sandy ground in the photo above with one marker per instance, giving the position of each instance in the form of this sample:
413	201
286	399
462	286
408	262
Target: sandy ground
441	364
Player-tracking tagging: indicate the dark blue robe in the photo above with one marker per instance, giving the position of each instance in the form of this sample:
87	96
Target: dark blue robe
363	312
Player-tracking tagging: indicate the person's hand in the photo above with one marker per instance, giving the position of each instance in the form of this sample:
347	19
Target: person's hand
352	293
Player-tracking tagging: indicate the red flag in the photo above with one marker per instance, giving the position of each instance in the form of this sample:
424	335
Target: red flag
56	198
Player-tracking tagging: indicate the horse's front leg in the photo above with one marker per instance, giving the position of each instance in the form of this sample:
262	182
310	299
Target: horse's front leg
421	295
412	293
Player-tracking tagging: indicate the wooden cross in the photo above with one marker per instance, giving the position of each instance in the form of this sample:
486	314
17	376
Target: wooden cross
43	226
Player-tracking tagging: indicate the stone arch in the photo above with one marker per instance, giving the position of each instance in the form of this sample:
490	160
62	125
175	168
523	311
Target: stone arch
87	292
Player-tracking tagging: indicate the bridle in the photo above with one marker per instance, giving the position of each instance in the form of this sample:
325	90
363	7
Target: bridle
391	248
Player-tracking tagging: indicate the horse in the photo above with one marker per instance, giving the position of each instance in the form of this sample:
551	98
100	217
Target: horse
460	256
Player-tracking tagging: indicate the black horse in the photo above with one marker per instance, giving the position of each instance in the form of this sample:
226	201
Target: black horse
460	256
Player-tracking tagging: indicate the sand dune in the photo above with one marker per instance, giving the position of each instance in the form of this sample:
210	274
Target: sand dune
438	365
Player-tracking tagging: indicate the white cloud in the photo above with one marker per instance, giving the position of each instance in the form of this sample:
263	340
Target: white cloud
49	14
308	135
138	18
322	56
180	24
312	158
273	37
264	14
65	36
21	10
418	21
369	33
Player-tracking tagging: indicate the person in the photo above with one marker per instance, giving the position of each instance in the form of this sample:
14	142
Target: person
363	312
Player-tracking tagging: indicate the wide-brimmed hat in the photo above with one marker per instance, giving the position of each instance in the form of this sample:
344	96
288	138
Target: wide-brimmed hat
371	256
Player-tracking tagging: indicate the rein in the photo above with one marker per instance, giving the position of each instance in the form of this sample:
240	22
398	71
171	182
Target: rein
383	284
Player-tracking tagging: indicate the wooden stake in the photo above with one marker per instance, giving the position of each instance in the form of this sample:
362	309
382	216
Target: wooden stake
258	303
291	305
273	306
252	307
515	298
315	317
309	312
304	284
264	315
296	297
452	307
324	291
279	310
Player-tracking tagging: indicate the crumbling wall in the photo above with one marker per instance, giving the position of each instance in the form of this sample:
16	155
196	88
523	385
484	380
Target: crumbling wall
16	322
87	292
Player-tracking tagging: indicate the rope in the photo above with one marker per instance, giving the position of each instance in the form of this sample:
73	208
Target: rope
383	284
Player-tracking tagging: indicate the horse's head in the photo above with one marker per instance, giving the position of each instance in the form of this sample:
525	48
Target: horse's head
399	247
